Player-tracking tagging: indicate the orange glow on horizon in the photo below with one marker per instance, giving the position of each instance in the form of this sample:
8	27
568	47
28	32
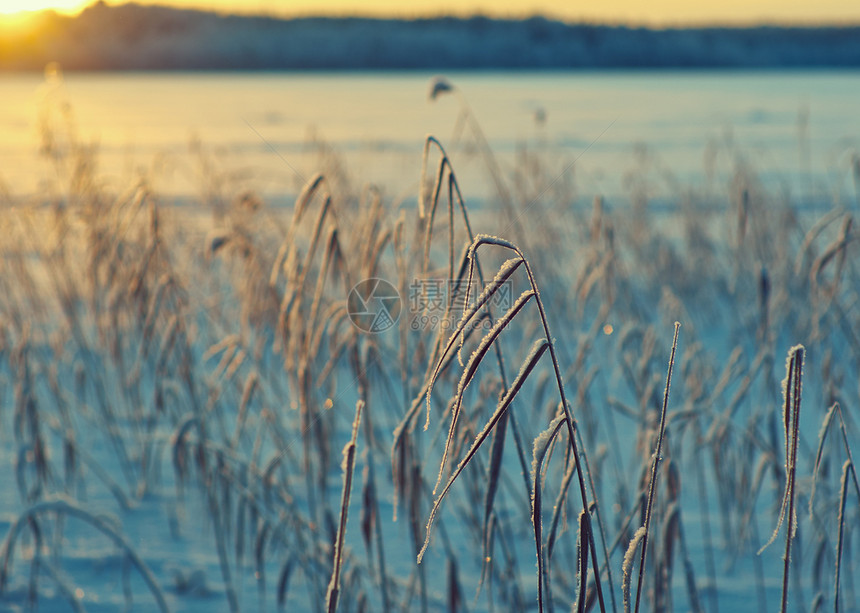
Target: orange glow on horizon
657	12
16	7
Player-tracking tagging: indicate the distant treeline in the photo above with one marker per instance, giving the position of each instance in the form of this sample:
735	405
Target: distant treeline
139	37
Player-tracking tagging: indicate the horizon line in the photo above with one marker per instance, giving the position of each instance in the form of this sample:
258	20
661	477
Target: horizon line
764	22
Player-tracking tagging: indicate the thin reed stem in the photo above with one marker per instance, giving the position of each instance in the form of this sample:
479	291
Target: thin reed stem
655	461
348	467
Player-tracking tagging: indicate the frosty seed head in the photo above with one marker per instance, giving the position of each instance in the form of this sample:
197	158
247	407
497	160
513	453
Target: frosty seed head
439	85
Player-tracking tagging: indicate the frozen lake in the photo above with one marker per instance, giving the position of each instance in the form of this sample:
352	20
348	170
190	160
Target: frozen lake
798	130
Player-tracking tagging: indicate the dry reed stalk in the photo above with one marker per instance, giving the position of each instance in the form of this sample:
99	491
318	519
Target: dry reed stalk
541	445
348	467
627	566
498	434
499	431
474	361
843	496
848	469
801	268
252	382
302	201
583	539
835	412
61	505
455	593
284	582
505	402
471	368
791	389
558	508
652	484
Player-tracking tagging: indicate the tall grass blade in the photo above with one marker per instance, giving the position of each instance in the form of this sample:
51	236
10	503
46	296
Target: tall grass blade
843	495
472	367
348	466
541	445
538	350
652	485
791	390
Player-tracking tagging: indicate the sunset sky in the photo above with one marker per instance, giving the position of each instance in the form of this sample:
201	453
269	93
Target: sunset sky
655	12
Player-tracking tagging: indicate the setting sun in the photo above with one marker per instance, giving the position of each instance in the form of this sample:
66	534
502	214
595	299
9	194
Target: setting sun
9	7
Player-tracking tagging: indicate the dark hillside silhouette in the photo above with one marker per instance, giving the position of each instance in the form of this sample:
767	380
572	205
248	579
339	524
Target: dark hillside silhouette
138	37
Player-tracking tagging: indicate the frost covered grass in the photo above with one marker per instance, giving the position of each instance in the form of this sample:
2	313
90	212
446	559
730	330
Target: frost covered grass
185	396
